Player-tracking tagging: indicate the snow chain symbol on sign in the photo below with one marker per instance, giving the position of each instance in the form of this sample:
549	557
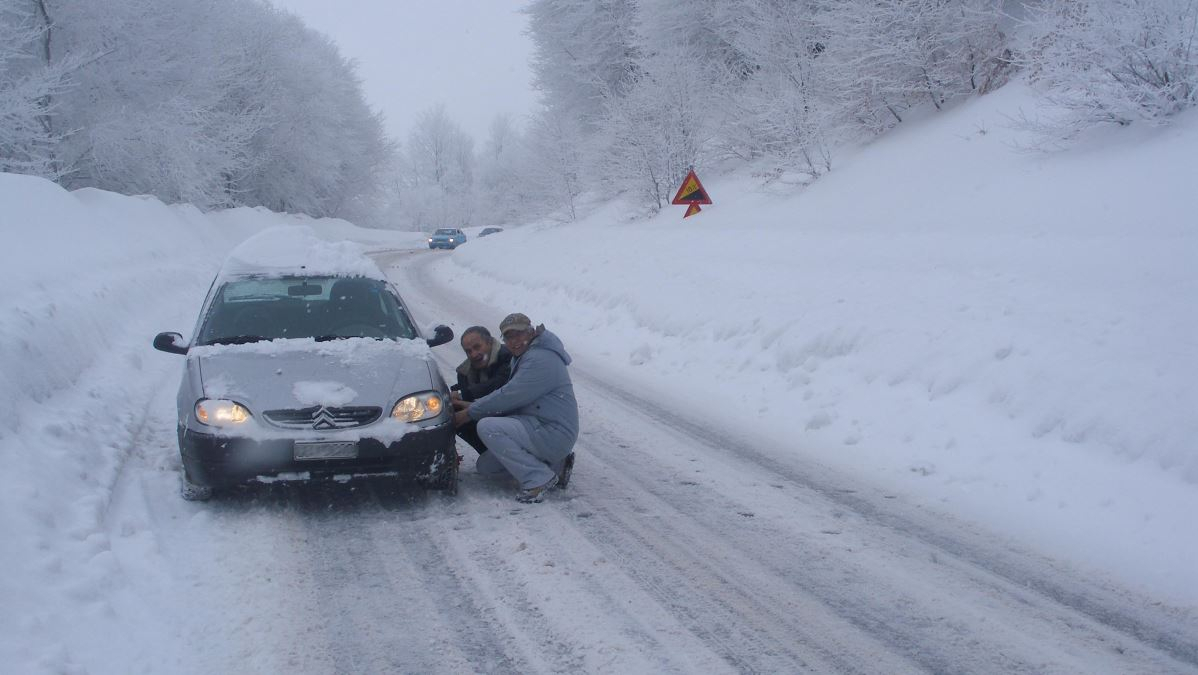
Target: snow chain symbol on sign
691	193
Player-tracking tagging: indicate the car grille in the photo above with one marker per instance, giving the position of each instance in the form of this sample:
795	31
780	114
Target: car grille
320	417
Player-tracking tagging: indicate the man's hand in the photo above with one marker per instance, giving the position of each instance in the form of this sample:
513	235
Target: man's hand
455	397
459	404
462	417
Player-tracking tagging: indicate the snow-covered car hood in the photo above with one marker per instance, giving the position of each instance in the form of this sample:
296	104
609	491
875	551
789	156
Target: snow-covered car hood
291	374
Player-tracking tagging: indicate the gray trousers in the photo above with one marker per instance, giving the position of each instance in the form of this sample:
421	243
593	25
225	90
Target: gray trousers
510	449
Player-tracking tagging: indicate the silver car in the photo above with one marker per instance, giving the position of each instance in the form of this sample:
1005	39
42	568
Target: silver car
297	376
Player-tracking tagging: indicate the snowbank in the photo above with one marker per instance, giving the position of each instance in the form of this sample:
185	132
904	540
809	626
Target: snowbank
1008	334
90	278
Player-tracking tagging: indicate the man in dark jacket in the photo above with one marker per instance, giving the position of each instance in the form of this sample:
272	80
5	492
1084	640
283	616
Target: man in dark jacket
529	424
487	367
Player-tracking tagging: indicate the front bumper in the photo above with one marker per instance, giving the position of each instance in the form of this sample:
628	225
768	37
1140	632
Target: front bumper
220	461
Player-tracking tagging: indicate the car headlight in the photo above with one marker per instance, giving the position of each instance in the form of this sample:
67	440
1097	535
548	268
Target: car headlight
451	240
430	240
216	412
422	406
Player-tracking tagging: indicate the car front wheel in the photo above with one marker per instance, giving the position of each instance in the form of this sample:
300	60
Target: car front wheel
192	492
446	479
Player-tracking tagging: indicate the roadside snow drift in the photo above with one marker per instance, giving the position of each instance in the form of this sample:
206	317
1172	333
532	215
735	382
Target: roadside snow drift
90	278
1010	334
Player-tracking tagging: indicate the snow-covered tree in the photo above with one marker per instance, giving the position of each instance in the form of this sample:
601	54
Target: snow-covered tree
322	149
1112	61
161	130
886	56
584	53
439	176
29	88
706	29
217	102
784	109
553	162
653	134
501	189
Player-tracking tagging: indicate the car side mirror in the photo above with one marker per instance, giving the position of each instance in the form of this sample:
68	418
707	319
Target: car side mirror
172	343
441	335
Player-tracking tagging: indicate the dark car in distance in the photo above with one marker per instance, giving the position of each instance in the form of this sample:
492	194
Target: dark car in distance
447	237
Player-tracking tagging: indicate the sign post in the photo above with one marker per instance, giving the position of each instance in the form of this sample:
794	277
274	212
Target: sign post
691	193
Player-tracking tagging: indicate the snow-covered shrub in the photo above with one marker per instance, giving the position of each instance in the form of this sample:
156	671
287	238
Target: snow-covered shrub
1112	61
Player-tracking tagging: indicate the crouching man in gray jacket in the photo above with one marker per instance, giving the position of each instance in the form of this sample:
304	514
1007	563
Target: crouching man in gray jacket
529	424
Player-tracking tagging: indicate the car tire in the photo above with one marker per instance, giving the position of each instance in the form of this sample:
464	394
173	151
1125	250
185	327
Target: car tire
446	480
192	492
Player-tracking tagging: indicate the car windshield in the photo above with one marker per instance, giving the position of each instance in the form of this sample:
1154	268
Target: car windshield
446	232
326	308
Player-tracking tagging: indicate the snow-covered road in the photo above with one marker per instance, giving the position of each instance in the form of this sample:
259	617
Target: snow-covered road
679	547
724	557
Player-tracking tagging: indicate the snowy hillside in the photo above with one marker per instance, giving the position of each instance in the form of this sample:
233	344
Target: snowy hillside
1009	334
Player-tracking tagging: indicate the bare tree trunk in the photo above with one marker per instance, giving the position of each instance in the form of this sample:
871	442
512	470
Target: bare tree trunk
44	102
46	120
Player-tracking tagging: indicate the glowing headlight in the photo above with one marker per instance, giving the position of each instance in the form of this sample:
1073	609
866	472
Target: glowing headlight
221	413
418	407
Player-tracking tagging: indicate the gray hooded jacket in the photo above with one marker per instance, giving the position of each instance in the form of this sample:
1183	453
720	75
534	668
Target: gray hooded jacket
540	395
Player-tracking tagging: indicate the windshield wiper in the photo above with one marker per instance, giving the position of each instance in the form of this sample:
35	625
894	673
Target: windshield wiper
328	338
235	340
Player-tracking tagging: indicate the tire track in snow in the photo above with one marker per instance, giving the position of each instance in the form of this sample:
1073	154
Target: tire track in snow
479	634
391	601
519	569
756	619
1106	614
875	597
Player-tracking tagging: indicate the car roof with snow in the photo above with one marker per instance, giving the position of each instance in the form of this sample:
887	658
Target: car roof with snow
298	251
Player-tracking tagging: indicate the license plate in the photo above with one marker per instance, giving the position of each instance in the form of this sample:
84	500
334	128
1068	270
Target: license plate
337	450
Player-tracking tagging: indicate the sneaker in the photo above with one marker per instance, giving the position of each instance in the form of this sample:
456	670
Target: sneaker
563	478
536	494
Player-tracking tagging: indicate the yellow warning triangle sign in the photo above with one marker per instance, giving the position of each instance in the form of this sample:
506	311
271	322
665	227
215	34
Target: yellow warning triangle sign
691	192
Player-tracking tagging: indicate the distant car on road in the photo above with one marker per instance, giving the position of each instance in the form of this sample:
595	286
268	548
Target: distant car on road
447	237
309	365
490	230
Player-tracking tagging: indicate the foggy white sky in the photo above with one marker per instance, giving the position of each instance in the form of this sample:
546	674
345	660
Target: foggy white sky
471	55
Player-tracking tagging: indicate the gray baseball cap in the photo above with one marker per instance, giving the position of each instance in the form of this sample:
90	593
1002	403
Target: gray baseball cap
515	321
